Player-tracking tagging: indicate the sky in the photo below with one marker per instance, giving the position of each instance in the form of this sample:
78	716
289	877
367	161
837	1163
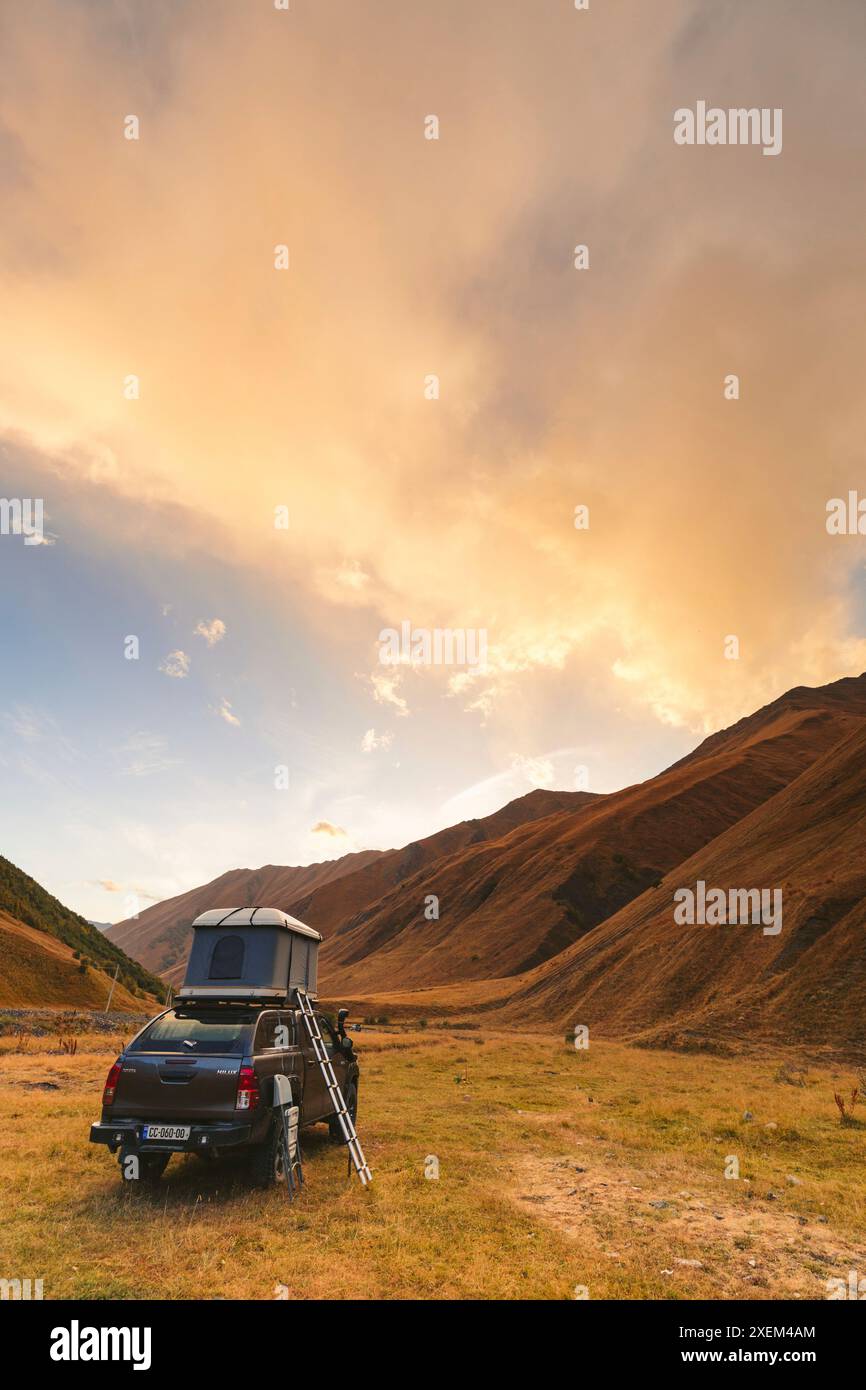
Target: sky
236	319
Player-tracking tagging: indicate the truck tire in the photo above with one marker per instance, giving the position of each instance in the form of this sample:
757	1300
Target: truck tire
350	1096
150	1168
265	1161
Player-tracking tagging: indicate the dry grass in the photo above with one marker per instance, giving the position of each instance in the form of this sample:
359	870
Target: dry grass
549	1162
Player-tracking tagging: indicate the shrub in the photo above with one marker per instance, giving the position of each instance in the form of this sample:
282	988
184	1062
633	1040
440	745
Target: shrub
846	1109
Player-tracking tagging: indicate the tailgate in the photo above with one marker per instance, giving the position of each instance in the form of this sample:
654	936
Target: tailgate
167	1085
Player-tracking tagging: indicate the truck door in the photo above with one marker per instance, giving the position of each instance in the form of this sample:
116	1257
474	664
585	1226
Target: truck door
276	1051
317	1105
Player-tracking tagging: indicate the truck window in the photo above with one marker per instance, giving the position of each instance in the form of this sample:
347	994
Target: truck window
197	1033
266	1033
288	1022
327	1031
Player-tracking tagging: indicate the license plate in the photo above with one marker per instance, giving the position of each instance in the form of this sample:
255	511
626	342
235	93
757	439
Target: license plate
165	1132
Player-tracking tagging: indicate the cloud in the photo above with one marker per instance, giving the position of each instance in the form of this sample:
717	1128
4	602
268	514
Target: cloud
372	741
212	632
176	664
24	723
108	885
385	686
33	729
324	827
224	710
558	387
538	771
145	754
351	576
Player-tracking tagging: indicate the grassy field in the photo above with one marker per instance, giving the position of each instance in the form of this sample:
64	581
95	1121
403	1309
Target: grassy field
559	1172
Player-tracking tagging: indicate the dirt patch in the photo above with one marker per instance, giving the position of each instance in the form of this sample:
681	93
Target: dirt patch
743	1244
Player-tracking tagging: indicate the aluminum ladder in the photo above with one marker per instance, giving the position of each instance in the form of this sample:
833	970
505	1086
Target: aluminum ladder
356	1153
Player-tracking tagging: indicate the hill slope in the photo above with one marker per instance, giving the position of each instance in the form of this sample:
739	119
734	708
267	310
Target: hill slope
640	972
40	970
509	904
38	941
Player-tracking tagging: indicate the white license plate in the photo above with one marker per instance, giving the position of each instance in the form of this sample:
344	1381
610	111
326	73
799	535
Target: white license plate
165	1132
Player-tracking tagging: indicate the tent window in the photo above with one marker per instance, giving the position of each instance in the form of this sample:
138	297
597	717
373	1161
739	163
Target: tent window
227	961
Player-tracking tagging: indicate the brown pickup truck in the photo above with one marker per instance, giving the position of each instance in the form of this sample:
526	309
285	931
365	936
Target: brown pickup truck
200	1079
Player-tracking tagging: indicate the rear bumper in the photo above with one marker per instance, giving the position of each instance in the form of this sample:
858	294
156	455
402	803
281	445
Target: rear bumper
127	1134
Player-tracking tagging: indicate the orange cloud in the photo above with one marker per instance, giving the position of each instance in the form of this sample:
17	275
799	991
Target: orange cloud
304	388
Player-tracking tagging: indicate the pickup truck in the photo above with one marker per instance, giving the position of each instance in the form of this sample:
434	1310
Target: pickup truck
200	1079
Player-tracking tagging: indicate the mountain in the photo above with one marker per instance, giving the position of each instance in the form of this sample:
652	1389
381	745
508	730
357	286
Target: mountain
160	936
639	973
44	945
509	904
325	895
559	908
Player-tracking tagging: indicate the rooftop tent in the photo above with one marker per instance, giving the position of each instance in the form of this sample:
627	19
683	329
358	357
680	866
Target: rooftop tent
250	953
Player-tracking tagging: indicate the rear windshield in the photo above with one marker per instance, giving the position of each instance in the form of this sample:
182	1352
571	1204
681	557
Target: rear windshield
197	1033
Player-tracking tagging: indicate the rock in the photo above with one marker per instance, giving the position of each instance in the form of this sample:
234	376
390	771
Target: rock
747	1115
753	1263
771	1197
660	1205
771	1124
690	1264
795	1182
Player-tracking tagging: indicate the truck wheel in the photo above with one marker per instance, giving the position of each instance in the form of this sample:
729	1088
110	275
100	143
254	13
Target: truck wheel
350	1096
150	1168
265	1162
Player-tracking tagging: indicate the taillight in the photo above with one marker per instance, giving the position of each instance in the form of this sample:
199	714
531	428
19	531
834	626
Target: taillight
111	1083
248	1089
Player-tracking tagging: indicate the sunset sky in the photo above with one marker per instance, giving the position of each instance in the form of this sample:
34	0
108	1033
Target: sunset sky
304	388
